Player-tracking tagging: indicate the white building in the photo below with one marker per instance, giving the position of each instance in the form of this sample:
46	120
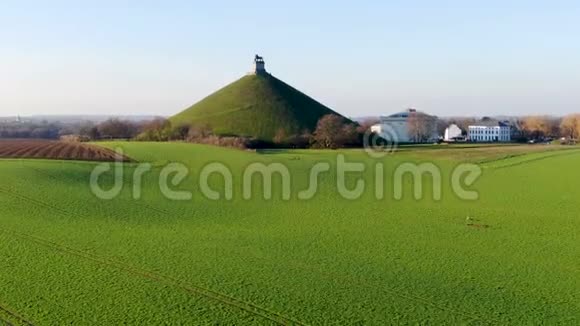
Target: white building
492	131
395	127
452	133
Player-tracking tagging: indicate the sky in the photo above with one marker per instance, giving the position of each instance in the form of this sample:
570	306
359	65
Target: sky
361	58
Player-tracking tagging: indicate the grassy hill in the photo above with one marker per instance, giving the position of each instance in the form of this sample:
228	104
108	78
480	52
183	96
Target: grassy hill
326	260
256	106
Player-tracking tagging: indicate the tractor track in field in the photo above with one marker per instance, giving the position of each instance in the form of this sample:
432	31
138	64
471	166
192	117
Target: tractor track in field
406	296
21	320
192	289
159	278
394	292
136	203
224	299
55	178
523	160
400	294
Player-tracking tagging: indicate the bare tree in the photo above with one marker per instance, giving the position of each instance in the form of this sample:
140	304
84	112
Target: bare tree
536	126
87	129
329	131
349	135
158	129
300	141
570	126
554	126
366	125
199	131
420	126
93	133
115	128
463	124
157	124
180	132
280	137
442	124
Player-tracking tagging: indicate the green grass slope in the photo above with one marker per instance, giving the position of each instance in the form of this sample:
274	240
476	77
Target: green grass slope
67	257
256	106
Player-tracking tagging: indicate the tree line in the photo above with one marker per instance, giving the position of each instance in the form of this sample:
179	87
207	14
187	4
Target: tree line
110	129
332	131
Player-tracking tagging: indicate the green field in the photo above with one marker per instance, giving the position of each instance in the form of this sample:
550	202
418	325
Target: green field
510	257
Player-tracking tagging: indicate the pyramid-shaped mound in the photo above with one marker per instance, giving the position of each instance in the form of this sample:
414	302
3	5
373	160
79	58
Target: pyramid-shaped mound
257	105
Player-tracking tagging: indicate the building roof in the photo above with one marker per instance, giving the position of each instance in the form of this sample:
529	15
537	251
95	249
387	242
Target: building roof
490	123
405	114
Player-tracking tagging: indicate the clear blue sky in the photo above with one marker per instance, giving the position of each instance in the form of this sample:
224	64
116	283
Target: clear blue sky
360	58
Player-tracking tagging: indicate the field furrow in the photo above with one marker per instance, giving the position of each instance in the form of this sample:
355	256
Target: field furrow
18	152
194	290
45	150
56	150
9	317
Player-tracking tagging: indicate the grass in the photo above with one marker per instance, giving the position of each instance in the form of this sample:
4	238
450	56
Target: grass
480	153
256	106
68	257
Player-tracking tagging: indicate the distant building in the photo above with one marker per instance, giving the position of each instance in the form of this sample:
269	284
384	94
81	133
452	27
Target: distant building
490	131
396	127
452	133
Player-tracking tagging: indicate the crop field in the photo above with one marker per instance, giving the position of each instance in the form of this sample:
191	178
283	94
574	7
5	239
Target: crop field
43	149
511	256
